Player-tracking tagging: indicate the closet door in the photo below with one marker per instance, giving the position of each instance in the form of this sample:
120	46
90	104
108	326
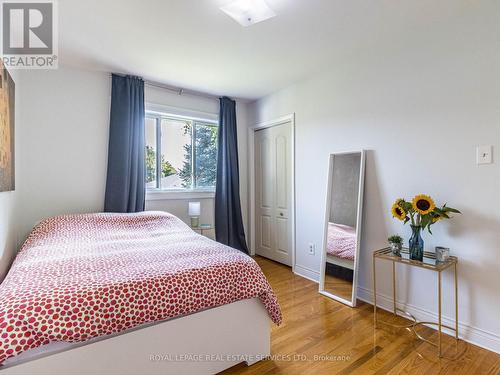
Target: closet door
273	187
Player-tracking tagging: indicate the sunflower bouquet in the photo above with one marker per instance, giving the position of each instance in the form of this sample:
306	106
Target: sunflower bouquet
421	211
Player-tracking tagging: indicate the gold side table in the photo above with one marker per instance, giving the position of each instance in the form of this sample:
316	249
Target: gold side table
429	263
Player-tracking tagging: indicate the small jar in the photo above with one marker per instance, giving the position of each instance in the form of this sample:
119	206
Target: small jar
396	249
442	253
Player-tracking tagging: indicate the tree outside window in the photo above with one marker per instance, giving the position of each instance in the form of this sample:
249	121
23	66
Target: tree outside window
181	140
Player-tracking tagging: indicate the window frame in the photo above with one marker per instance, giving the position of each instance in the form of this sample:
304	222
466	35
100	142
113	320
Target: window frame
176	193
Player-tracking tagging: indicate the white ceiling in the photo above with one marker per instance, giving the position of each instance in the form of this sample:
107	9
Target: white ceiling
194	45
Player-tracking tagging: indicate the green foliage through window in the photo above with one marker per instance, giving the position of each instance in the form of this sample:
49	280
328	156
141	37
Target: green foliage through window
205	171
166	168
201	136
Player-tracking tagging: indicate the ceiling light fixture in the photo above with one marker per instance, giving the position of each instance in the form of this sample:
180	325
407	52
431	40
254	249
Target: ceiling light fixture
248	12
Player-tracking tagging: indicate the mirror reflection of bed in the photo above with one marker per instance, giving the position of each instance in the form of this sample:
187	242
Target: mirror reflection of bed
342	226
340	249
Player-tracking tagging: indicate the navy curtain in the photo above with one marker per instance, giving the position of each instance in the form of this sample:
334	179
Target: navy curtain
125	183
228	221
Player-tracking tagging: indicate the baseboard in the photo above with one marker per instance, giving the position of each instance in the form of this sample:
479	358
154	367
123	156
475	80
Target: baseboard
306	273
473	335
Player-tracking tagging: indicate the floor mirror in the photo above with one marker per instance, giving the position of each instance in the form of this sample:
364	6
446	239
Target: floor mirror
343	213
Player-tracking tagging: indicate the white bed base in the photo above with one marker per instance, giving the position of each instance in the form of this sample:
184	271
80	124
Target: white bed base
346	263
203	343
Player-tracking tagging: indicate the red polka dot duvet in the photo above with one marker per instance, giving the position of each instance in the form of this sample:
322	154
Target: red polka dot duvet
82	276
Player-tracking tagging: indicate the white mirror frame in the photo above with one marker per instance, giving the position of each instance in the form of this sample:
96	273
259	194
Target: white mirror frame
359	218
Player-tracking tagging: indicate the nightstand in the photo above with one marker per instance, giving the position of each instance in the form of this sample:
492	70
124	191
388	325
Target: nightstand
203	228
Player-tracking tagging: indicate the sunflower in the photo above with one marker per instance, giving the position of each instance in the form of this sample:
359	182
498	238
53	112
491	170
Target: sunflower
397	211
398	201
423	204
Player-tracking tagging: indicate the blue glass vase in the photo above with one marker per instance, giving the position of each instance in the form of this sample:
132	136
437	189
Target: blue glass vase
416	244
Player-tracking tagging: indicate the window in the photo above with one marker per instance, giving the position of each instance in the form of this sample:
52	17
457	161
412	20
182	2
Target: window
181	152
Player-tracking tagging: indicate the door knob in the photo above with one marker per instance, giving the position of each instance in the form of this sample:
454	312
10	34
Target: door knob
281	213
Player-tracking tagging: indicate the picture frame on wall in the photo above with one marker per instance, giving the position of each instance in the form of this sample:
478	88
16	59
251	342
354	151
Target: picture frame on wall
7	128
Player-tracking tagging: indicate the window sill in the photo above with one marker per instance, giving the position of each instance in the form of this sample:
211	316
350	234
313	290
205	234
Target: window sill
155	195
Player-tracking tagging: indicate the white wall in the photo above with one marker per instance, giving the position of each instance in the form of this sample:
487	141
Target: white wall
179	207
8	199
63	139
419	110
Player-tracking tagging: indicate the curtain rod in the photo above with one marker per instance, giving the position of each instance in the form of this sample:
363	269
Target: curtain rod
177	90
180	90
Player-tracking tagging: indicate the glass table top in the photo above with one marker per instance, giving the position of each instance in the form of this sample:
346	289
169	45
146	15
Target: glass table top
429	260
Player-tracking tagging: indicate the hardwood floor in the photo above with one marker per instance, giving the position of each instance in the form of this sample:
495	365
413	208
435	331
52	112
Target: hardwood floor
321	336
339	287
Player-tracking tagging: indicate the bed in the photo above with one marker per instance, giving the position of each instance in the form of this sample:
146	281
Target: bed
341	245
116	290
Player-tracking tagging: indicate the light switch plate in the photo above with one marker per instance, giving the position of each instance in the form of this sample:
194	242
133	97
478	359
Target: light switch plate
484	154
